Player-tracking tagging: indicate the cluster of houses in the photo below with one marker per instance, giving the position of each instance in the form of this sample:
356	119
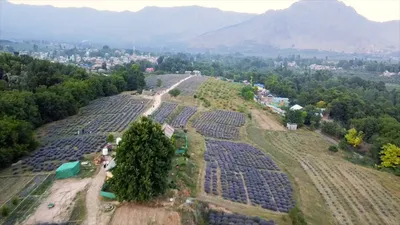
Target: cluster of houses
265	97
92	63
194	72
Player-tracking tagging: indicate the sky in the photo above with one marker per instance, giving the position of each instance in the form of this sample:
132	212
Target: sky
376	10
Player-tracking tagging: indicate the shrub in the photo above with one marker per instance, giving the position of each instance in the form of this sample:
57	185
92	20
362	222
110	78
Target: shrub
333	148
174	92
333	129
194	96
15	201
5	211
344	146
297	217
110	138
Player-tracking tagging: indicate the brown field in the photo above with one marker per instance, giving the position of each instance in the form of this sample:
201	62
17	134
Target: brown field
62	195
353	194
130	214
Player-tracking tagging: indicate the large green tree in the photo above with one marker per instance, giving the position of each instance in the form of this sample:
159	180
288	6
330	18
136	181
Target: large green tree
16	140
143	159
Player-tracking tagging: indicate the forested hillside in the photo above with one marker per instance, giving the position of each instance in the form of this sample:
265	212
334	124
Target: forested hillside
34	92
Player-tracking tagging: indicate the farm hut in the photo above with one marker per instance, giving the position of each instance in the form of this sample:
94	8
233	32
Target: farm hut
67	170
291	126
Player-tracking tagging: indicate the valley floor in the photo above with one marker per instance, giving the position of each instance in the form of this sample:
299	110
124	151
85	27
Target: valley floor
327	188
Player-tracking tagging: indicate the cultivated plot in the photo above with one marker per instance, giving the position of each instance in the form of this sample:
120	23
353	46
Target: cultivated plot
110	114
220	124
189	87
72	138
241	173
163	112
167	80
183	117
352	193
222	218
50	156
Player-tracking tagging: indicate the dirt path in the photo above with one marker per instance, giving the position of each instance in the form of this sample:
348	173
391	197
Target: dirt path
157	99
265	122
93	203
130	214
62	195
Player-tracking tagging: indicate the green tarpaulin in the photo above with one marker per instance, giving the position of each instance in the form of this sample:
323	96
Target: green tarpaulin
68	170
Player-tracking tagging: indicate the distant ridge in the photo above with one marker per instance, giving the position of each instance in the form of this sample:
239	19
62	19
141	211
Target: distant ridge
149	26
327	25
321	25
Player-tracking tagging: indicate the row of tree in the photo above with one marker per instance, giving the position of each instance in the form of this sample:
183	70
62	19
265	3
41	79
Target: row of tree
34	92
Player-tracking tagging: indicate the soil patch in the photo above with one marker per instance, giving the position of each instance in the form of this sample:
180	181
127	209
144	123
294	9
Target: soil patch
131	214
266	122
62	195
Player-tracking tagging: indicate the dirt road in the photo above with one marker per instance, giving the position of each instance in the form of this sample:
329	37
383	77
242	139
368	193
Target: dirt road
62	195
157	98
93	202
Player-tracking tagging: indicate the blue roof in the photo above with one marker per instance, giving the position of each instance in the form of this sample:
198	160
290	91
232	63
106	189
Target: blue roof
259	85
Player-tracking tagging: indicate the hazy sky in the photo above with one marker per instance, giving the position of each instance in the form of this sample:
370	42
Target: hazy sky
377	10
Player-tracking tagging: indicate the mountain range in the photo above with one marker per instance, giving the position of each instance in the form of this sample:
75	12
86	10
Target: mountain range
327	25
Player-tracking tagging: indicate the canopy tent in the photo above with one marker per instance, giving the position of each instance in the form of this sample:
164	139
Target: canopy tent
67	170
296	107
111	165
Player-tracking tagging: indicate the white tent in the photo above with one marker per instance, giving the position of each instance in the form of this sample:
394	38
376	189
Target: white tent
111	165
296	107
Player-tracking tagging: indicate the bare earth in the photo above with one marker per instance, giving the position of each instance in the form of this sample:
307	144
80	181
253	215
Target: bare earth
130	214
62	195
95	215
265	122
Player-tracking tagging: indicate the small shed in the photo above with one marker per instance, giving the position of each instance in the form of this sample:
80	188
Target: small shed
291	126
67	170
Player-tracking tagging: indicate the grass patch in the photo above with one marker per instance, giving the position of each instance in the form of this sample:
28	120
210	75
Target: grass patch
89	169
297	216
79	211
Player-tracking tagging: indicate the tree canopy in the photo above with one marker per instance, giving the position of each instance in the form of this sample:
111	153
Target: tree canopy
143	159
354	138
247	92
390	155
